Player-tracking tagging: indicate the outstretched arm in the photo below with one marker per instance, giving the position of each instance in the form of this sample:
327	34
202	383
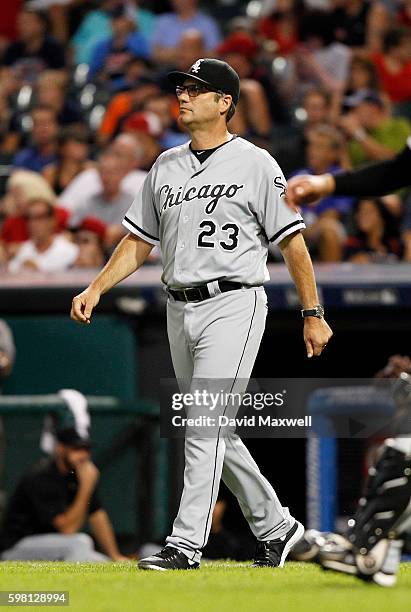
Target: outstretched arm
373	180
129	255
377	179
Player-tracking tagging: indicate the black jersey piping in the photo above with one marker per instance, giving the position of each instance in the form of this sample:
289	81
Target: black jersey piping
140	229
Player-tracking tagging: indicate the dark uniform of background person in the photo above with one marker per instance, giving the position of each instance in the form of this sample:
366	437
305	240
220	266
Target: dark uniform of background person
378	513
51	503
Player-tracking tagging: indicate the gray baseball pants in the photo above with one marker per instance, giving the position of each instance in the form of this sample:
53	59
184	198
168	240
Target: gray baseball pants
54	547
214	339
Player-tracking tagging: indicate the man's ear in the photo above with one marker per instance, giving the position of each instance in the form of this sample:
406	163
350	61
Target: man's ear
227	103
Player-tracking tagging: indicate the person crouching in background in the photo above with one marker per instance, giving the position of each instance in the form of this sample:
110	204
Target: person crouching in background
51	504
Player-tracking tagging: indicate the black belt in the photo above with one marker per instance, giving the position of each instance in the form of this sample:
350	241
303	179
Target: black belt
198	294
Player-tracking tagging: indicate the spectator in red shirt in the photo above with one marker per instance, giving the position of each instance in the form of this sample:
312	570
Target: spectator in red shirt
394	66
281	27
24	186
45	250
252	118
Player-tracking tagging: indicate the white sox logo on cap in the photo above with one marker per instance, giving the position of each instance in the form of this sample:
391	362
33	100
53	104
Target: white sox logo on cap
216	74
196	67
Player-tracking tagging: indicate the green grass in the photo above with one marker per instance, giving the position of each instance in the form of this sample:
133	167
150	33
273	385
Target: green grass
231	587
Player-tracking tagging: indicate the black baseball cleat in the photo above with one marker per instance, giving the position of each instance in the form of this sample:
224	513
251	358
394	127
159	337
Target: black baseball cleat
273	553
167	559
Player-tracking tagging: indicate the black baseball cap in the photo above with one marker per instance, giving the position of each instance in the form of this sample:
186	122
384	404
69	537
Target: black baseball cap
215	73
69	436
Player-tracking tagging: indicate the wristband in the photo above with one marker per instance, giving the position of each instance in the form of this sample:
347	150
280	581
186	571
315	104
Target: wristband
317	311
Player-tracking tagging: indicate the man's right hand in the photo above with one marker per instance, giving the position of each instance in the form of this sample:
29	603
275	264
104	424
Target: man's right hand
83	305
87	473
306	189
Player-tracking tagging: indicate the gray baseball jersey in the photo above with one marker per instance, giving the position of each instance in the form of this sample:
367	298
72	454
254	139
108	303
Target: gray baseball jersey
214	219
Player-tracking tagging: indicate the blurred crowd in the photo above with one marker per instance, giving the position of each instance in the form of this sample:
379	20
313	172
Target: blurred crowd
86	108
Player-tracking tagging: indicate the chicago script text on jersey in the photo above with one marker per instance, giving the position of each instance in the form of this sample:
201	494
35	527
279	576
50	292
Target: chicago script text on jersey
214	192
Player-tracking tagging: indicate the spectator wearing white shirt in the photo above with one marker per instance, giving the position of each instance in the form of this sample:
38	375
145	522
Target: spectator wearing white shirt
88	183
45	251
110	203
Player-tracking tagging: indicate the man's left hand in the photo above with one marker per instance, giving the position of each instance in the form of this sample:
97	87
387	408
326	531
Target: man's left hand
317	333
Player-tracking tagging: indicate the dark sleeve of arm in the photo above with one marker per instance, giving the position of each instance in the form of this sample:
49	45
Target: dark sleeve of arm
46	502
95	502
376	179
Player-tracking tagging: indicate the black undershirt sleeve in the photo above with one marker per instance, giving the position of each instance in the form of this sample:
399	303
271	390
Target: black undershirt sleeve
377	179
95	503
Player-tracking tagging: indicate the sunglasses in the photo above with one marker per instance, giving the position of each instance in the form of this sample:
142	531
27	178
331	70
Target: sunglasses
39	217
194	90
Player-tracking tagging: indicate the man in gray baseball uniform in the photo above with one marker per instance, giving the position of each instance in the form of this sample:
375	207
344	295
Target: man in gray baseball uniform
214	205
